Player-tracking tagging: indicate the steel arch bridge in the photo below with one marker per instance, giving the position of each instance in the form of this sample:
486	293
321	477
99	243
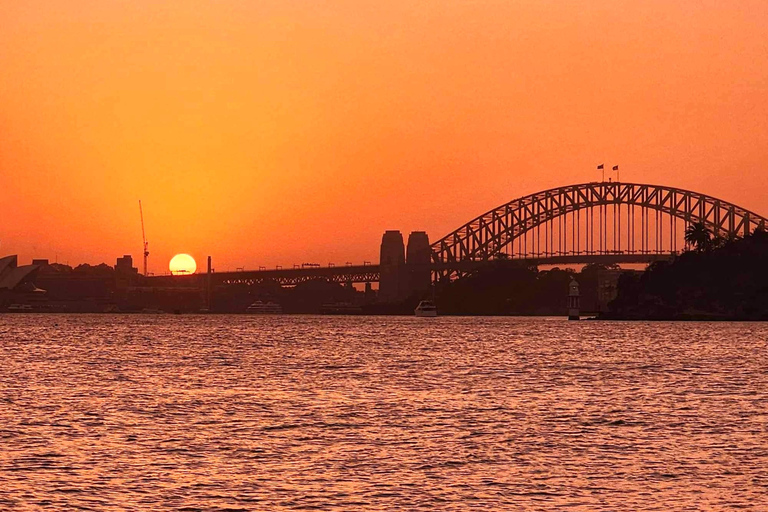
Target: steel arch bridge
590	219
598	222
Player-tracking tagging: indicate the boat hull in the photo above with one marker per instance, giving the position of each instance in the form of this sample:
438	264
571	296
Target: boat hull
262	308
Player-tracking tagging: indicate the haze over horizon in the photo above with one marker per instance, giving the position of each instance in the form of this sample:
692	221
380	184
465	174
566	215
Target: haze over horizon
282	132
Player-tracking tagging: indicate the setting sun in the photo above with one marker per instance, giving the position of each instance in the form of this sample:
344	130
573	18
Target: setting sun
182	264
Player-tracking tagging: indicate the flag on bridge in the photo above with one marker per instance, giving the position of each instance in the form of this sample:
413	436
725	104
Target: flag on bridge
615	167
601	166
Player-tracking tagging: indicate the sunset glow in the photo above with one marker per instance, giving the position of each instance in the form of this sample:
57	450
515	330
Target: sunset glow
454	254
283	132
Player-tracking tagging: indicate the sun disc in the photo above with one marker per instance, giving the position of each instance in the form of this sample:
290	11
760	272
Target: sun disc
182	264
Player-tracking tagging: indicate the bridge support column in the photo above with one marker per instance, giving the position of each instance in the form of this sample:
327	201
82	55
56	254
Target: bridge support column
393	276
418	259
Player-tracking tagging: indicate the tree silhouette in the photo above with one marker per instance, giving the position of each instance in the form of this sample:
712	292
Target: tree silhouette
698	235
729	282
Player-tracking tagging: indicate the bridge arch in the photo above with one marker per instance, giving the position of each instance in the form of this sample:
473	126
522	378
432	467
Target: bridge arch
496	230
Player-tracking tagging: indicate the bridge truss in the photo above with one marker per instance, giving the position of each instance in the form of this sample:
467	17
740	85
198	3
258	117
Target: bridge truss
293	277
590	219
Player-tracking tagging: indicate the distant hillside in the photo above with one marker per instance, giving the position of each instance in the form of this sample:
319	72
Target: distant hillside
725	280
508	287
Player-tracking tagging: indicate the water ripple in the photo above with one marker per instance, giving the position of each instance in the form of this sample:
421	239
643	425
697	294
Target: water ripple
352	413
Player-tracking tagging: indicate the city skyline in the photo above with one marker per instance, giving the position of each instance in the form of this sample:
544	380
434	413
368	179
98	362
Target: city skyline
287	133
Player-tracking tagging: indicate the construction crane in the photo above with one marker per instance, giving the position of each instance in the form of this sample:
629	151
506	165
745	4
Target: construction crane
144	236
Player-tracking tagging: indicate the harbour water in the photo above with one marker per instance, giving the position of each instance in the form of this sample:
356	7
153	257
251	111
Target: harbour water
380	413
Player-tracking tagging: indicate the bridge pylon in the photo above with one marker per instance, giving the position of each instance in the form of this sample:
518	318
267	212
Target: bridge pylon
393	278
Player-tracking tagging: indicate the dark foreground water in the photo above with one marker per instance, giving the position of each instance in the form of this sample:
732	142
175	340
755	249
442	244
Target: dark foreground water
380	413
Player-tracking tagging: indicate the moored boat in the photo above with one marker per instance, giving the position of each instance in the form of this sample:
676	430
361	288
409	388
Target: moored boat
426	308
20	308
264	308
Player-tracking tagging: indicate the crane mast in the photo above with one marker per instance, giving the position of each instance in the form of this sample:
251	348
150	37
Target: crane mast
144	237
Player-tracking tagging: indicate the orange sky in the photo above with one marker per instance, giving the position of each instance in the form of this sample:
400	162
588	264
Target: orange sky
283	132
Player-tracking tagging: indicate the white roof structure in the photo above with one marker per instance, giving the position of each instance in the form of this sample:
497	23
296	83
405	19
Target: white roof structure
8	262
11	275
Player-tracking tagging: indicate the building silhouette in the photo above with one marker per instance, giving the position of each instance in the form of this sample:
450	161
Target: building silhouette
124	265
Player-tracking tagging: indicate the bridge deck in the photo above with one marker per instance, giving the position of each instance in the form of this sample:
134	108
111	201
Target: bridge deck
371	273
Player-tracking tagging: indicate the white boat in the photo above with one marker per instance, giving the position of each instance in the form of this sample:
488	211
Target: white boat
19	308
264	308
426	308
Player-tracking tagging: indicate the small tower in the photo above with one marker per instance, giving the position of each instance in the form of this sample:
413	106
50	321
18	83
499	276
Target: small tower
573	300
